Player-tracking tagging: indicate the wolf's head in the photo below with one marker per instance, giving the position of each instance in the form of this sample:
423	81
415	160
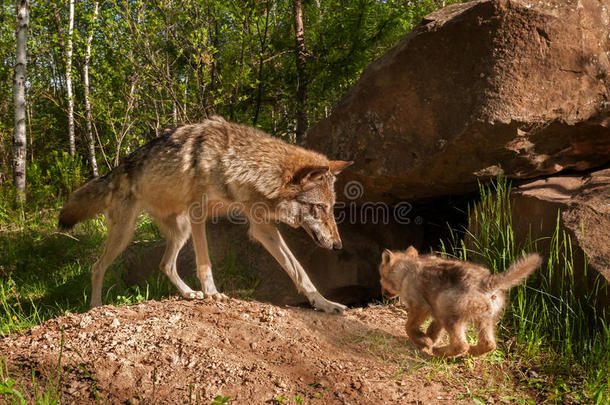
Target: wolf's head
311	206
391	274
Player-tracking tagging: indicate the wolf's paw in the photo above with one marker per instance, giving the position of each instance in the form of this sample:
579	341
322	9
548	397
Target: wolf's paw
217	296
328	306
427	349
448	351
425	344
193	295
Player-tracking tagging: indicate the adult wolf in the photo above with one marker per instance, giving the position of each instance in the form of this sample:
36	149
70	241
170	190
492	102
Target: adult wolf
194	171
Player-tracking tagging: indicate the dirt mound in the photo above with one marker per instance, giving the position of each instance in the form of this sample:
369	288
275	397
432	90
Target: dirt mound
179	351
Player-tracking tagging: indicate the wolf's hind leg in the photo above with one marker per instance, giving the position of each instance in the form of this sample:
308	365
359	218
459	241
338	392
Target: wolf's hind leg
487	338
204	265
457	340
121	221
272	240
176	230
434	330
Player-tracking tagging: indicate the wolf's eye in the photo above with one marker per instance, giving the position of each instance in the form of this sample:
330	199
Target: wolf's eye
321	207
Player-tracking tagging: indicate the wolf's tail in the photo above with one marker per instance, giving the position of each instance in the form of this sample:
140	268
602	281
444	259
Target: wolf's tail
85	202
515	274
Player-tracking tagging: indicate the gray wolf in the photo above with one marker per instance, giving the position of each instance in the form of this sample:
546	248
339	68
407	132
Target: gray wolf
192	172
454	293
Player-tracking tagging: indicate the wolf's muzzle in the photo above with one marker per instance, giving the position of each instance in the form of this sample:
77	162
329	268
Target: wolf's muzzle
387	294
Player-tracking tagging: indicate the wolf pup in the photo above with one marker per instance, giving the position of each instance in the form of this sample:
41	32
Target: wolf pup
208	169
454	293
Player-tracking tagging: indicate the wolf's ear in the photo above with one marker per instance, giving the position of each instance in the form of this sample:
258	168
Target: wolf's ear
412	252
310	176
337	166
387	257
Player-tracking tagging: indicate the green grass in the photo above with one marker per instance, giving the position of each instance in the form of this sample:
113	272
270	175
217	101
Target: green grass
560	332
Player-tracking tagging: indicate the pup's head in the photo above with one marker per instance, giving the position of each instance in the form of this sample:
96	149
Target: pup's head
312	205
391	275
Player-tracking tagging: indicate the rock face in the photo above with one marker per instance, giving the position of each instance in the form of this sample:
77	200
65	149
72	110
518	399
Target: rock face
481	88
348	276
583	202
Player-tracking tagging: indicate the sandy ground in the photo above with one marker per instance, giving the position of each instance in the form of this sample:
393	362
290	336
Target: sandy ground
179	351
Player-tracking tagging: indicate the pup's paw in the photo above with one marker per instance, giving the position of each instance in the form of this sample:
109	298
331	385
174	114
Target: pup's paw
427	349
448	352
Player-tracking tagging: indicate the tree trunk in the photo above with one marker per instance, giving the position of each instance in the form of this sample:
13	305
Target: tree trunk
262	37
69	81
301	55
88	115
22	11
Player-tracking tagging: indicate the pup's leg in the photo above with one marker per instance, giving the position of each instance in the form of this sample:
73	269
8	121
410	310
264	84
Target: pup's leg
487	338
457	340
415	318
176	230
204	265
434	331
272	240
121	221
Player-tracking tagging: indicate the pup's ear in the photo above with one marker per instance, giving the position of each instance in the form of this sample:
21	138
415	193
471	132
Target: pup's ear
387	257
337	166
412	252
309	177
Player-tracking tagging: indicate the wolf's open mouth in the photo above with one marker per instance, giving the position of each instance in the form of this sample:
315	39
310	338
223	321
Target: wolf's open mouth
312	234
388	294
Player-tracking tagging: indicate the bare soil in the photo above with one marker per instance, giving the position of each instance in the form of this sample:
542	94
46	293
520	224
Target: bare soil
178	351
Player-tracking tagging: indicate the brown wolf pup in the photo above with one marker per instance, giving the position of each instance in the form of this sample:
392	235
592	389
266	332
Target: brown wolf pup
454	293
197	171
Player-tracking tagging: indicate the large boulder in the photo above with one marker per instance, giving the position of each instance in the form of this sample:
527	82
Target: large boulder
578	205
478	89
581	204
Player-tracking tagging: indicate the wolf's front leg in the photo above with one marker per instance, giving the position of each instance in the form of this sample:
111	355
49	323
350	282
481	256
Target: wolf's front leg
271	239
176	231
204	265
415	318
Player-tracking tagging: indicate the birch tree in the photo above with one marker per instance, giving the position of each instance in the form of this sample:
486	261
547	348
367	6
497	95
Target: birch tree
301	55
88	114
22	11
69	80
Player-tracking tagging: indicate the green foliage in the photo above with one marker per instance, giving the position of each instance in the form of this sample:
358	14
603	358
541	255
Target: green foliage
65	172
548	313
8	391
219	400
234	279
158	64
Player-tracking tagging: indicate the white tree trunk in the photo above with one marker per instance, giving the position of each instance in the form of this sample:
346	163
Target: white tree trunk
88	115
22	11
301	54
69	80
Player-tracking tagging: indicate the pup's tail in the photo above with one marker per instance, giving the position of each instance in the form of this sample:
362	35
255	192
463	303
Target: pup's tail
515	274
85	202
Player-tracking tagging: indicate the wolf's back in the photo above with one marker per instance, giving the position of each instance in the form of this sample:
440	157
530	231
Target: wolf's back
85	202
515	274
